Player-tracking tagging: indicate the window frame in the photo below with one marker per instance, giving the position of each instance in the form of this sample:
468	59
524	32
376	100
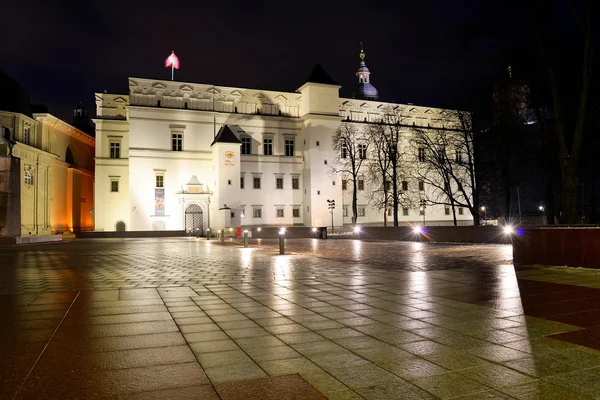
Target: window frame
114	184
279	213
295	183
279	182
268	144
27	177
159	181
176	141
256	179
114	149
296	212
289	144
256	212
362	151
421	154
246	146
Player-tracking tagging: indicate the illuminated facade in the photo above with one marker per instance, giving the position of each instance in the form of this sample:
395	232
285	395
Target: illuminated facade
55	176
176	155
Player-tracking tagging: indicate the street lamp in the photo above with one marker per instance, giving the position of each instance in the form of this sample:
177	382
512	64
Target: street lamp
482	208
331	207
543	210
422	209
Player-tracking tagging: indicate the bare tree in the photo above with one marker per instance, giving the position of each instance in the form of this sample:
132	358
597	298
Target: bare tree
545	18
386	170
350	147
448	179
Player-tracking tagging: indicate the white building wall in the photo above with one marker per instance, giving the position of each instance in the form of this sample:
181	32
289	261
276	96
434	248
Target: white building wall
198	111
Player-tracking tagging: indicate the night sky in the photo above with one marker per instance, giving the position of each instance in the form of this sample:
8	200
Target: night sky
429	52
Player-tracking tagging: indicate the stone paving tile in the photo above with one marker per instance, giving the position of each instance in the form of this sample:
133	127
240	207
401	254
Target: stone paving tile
541	390
320	311
449	385
281	387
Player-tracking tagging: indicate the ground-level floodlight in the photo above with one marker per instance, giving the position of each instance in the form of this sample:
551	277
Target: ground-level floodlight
245	238
314	229
258	229
208	234
356	229
508	230
282	241
417	230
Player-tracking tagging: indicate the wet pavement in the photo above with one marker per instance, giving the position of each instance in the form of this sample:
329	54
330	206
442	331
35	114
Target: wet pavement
340	319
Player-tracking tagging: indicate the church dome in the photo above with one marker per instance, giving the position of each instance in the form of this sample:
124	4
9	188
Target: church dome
13	97
367	91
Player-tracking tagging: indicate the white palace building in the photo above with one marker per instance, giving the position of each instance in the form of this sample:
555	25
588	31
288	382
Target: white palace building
190	156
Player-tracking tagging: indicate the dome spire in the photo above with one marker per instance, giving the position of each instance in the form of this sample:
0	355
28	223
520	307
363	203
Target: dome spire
365	90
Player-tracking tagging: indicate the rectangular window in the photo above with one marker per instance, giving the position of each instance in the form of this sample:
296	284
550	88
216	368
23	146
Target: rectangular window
268	147
461	211
404	185
114	186
280	213
421	154
246	145
295	183
296	212
344	184
361	211
241	182
345	211
387	186
289	147
256	182
344	152
421	186
390	211
177	141
279	182
257	212
405	211
361	184
458	156
318	143
115	150
232	214
421	211
160	181
325	162
442	154
362	151
26	135
447	210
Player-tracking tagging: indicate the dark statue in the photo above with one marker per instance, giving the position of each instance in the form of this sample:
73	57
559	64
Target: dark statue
7	136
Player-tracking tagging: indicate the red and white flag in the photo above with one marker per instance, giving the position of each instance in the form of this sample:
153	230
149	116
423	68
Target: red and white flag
172	61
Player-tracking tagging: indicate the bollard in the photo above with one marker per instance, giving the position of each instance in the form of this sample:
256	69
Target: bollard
208	234
222	236
281	241
245	238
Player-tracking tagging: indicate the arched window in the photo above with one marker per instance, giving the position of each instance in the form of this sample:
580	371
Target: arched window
69	157
28	178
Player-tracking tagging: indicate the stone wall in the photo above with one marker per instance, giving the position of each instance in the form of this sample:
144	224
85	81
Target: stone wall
573	247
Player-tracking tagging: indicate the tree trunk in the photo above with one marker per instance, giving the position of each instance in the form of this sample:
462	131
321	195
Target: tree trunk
395	190
454	214
568	198
354	201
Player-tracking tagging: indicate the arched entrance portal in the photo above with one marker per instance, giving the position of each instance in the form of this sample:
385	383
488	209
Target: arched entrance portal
194	220
120	227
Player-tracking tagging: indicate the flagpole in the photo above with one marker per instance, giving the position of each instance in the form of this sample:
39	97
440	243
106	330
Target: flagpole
171	71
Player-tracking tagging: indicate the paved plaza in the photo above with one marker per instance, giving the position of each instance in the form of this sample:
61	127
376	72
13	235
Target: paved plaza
183	318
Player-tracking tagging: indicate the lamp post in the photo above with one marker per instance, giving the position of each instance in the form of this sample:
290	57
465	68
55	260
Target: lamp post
543	210
482	208
331	207
422	209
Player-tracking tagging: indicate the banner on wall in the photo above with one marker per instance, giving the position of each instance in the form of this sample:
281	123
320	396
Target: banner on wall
159	201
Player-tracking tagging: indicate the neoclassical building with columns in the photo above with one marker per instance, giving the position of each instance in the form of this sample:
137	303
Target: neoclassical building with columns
190	156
